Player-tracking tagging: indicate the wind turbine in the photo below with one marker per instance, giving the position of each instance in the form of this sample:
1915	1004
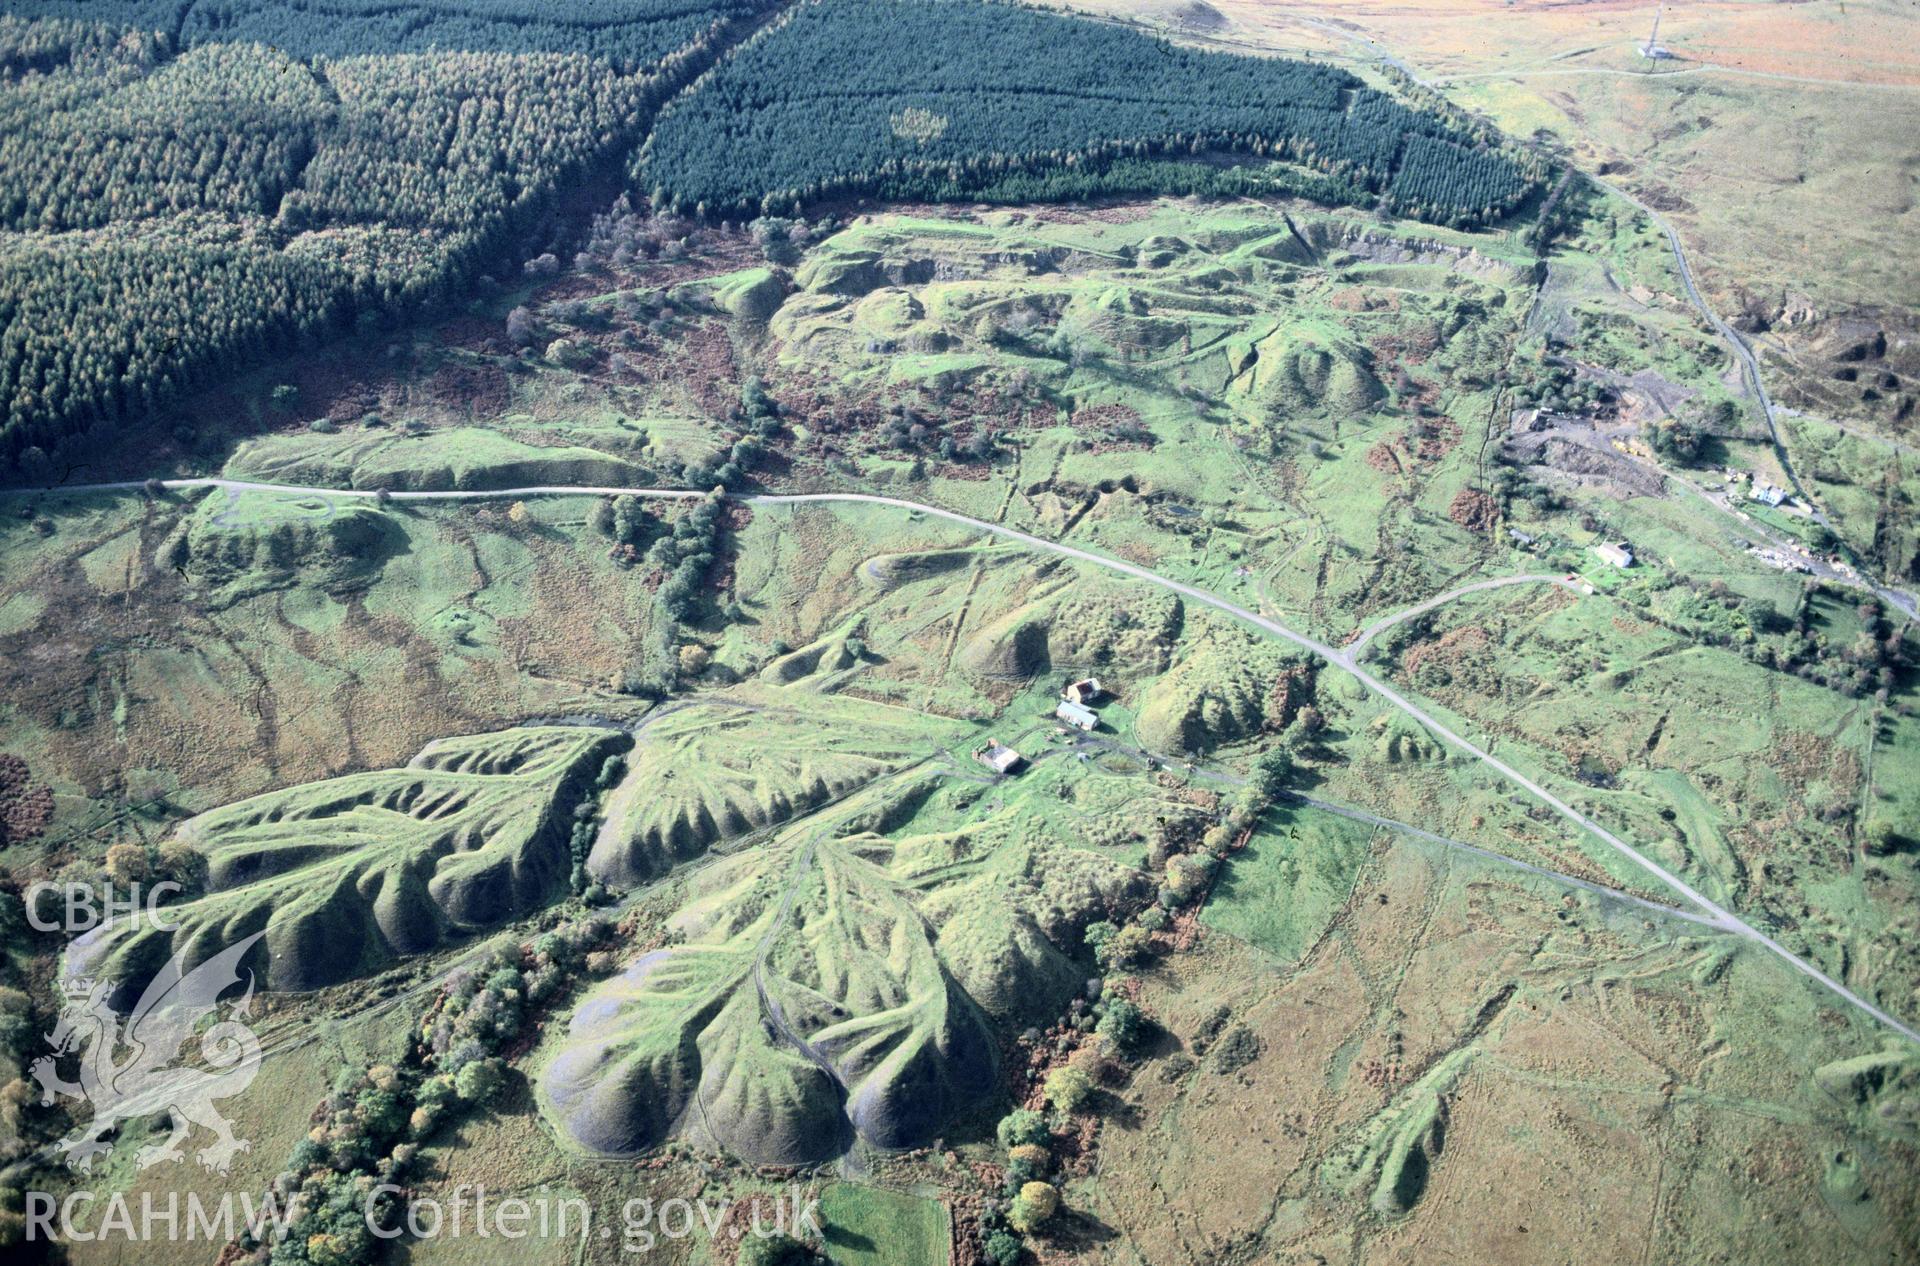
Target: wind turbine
1651	50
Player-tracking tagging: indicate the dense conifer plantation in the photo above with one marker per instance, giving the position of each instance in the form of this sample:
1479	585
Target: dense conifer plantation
629	33
188	186
946	98
168	215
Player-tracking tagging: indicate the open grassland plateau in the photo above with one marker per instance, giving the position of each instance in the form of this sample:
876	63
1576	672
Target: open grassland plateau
1445	1062
867	1226
1788	208
1744	138
255	643
1756	789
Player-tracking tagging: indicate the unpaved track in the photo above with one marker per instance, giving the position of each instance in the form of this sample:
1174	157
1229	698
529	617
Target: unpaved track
1717	915
1572	881
1356	646
1198	772
1698	68
1750	368
1742	350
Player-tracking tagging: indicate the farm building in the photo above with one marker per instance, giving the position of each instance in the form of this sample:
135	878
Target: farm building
1766	492
1078	717
1082	692
1620	554
998	757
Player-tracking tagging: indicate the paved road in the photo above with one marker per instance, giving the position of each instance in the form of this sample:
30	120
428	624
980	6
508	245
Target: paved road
1817	566
1743	352
1750	370
1717	915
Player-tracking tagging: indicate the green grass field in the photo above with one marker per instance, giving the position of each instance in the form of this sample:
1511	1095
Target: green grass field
1293	879
870	1225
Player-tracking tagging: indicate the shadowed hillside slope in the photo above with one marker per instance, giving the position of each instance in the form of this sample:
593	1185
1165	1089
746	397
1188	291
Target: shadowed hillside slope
347	874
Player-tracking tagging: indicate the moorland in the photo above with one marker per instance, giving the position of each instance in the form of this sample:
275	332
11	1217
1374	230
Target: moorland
568	584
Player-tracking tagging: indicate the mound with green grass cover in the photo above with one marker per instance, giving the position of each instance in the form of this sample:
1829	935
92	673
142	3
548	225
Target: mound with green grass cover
240	546
1299	373
455	458
821	990
805	1004
1078	625
1216	694
349	874
702	775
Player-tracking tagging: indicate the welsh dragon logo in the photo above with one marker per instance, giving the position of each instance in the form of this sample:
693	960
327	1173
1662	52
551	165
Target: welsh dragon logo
127	1073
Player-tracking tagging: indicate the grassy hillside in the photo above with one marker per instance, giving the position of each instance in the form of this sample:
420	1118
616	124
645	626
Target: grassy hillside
821	989
833	926
704	776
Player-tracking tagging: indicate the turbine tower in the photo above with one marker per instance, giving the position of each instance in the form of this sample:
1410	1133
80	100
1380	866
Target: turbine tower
1651	49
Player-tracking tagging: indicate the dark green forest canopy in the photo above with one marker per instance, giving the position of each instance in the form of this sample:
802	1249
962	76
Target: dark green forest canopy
941	98
167	215
627	33
188	187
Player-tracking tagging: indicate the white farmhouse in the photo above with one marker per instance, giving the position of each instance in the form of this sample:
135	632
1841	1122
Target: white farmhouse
1081	718
1620	554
